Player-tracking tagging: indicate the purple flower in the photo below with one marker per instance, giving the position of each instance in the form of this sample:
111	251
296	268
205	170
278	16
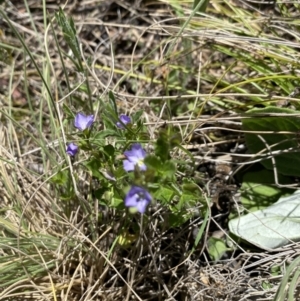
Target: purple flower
72	149
138	198
83	122
123	120
135	156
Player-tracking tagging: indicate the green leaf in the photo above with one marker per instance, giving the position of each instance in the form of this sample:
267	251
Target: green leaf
216	248
137	116
112	101
165	170
117	203
69	32
109	150
99	194
201	230
275	270
191	195
168	170
191	188
5	54
200	5
177	219
266	285
168	138
126	239
286	163
106	196
153	162
186	201
67	111
175	140
273	227
94	165
258	190
164	194
162	146
61	178
99	137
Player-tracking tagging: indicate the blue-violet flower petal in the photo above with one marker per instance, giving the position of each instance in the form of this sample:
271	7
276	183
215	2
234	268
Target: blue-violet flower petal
135	156
138	198
123	120
83	122
72	149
